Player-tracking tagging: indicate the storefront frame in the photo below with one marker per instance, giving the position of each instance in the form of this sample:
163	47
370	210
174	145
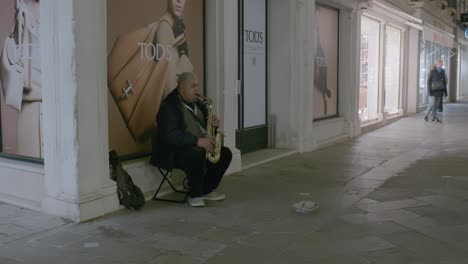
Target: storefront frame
462	58
429	59
324	5
438	27
462	86
250	139
399	96
378	72
384	21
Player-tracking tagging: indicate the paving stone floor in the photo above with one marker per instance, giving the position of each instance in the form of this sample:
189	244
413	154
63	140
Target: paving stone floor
395	195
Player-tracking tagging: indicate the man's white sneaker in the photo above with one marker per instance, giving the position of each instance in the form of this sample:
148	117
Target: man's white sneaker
196	202
214	196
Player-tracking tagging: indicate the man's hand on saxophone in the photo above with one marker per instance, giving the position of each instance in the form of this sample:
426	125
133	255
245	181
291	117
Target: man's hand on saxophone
216	121
206	143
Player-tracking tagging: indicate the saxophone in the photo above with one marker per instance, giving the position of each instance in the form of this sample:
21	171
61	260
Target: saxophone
211	132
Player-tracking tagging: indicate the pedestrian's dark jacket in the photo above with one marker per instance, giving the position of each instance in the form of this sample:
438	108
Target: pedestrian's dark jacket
171	132
435	75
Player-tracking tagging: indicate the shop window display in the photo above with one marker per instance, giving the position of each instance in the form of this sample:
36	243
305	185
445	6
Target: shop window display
20	79
149	45
392	69
369	70
326	63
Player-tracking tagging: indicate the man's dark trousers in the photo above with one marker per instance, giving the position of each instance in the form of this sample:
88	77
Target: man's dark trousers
203	176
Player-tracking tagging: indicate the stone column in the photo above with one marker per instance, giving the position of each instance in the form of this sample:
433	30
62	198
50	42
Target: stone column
59	109
302	79
413	71
349	64
222	68
73	40
97	193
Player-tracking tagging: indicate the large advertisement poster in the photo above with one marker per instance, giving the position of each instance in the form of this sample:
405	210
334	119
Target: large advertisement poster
149	43
254	48
326	63
20	79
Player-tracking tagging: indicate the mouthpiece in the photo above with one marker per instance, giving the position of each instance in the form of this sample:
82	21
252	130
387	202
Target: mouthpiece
203	99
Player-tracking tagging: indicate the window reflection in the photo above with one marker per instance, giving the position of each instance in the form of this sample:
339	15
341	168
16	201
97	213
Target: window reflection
430	52
392	70
369	74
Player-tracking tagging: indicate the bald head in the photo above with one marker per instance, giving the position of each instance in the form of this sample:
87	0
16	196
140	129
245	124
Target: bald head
185	77
187	84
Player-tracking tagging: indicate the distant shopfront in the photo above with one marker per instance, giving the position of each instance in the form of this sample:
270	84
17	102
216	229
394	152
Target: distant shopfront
435	44
463	64
382	51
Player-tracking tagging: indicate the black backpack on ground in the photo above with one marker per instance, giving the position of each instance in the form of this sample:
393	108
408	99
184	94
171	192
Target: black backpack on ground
129	194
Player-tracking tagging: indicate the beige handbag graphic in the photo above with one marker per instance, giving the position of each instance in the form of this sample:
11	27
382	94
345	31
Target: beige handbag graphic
137	81
20	71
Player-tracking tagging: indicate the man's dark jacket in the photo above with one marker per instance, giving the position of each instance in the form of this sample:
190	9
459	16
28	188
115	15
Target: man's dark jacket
171	134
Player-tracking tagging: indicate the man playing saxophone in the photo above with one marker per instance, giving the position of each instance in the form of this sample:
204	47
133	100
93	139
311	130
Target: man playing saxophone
182	141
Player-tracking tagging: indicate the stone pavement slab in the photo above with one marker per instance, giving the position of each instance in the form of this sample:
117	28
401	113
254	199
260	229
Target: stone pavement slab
395	195
442	215
318	250
391	205
59	239
10	233
424	246
173	259
193	247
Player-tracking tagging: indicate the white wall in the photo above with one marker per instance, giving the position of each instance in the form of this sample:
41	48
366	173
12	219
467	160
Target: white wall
279	71
431	15
147	177
413	71
400	4
330	131
211	28
22	183
341	4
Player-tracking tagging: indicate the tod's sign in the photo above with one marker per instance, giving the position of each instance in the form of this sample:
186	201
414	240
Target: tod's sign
438	37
